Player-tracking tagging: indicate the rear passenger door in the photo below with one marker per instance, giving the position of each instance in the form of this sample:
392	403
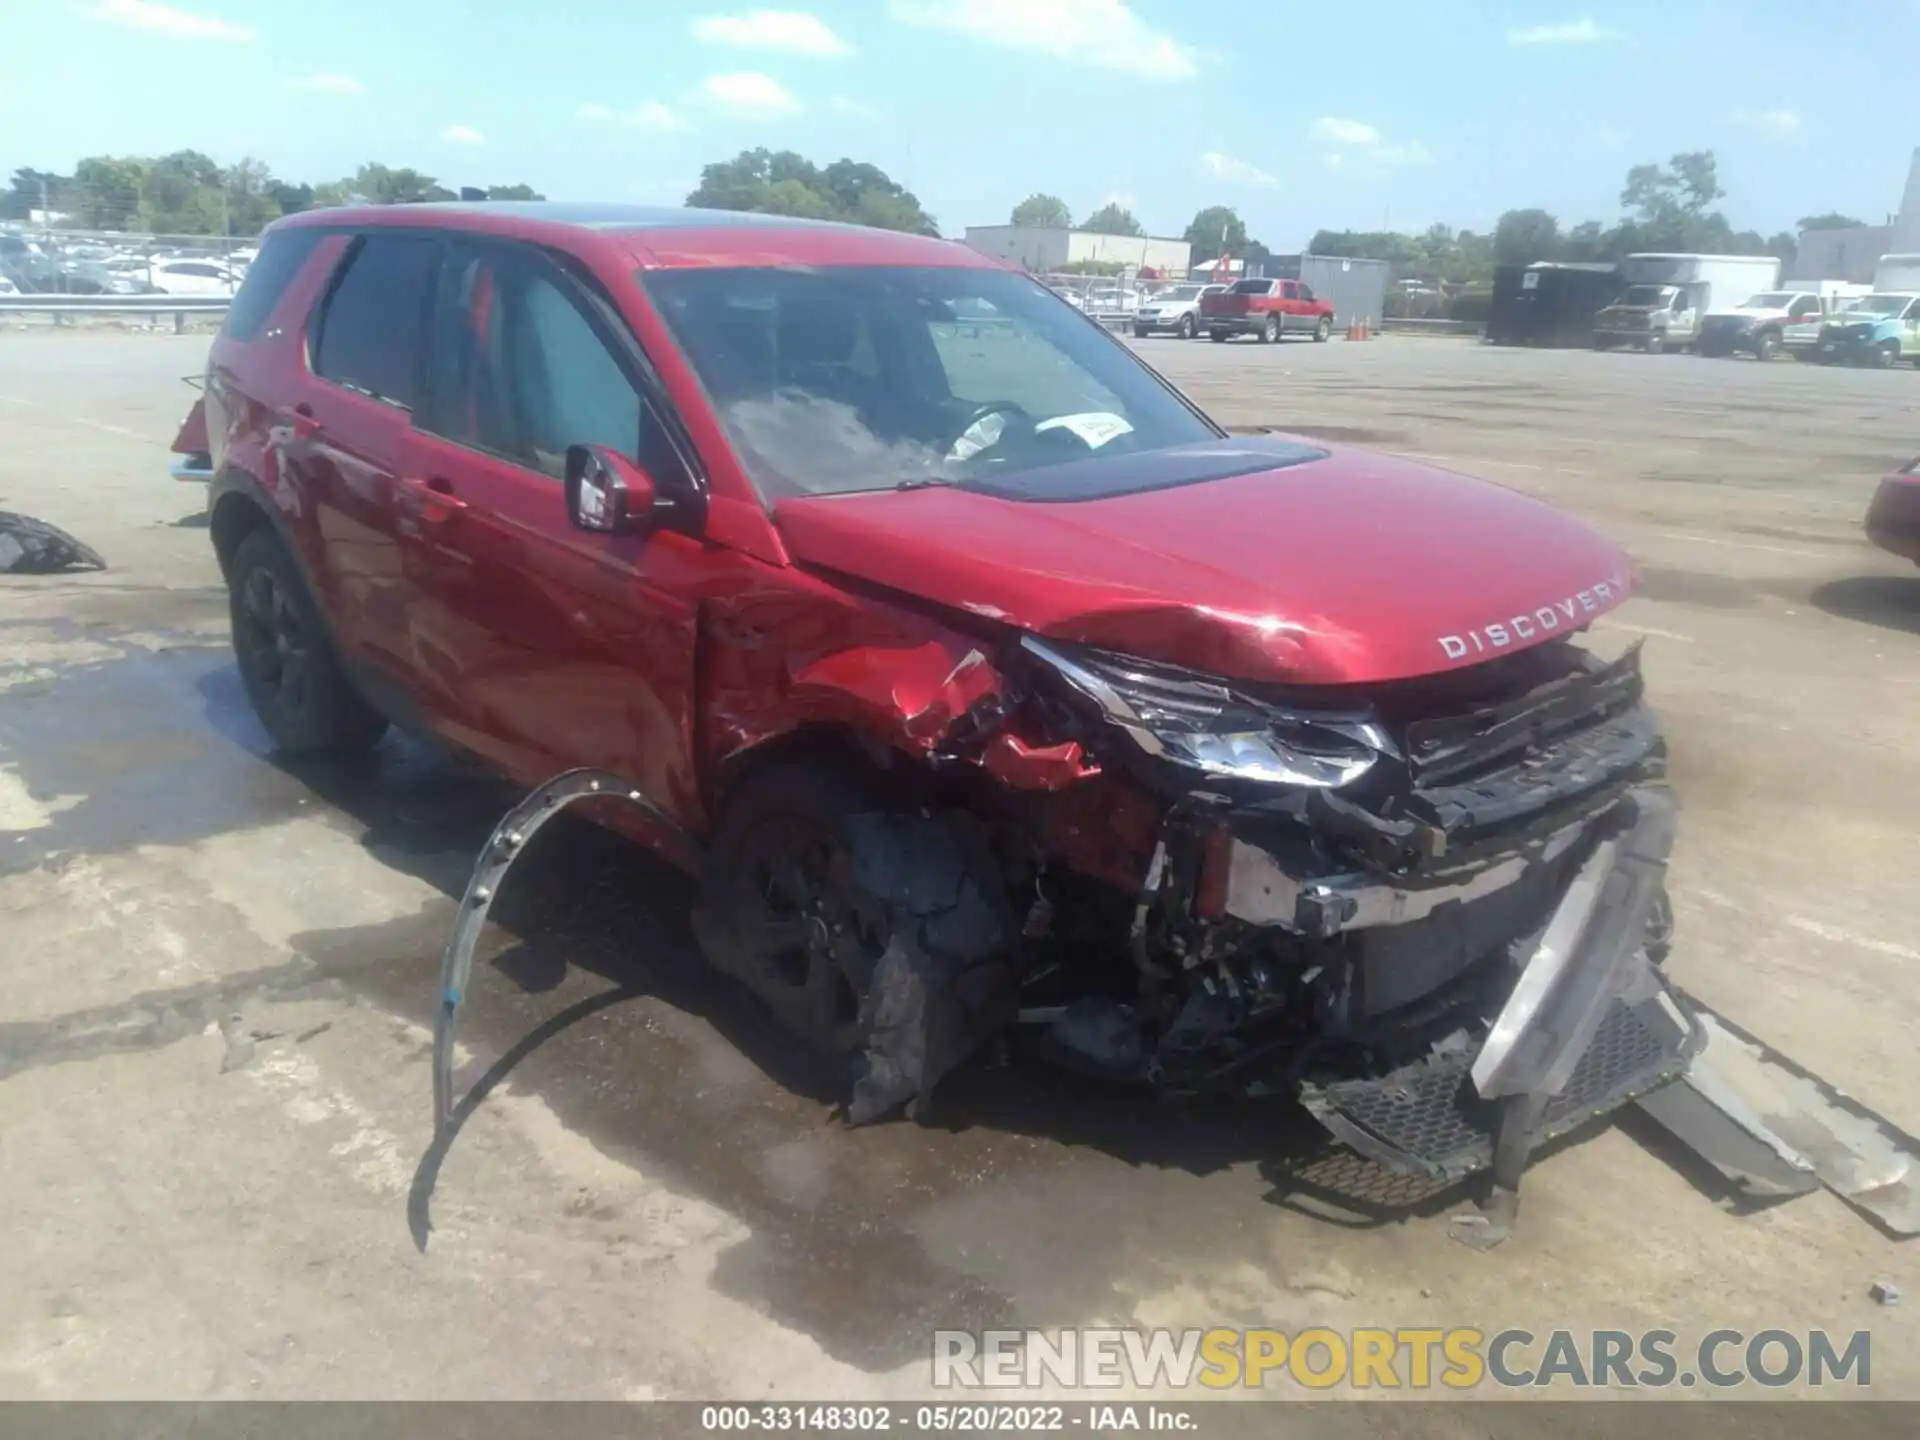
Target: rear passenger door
343	441
542	646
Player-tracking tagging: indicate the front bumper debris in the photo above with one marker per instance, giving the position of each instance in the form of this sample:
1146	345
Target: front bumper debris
1588	1026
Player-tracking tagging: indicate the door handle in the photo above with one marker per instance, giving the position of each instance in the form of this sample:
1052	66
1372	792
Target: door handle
433	497
302	422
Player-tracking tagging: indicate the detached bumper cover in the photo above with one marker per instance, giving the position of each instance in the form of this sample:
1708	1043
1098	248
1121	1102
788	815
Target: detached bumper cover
1589	1025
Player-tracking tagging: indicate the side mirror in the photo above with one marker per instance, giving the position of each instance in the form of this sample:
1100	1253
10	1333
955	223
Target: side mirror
606	492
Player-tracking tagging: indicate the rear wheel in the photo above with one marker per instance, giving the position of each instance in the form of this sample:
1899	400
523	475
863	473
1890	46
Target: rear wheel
1270	330
1218	337
1324	330
287	664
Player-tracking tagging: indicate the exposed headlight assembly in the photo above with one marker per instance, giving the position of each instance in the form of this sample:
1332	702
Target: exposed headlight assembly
1191	720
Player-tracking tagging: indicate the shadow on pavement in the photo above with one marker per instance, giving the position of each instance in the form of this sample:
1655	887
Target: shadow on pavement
1889	601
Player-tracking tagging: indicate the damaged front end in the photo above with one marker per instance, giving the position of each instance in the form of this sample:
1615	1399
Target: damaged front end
1433	909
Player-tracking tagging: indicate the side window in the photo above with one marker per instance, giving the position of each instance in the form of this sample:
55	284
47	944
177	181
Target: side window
518	369
267	280
1306	293
1289	290
369	337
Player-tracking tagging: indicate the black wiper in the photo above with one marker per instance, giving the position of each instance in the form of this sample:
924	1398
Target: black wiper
924	482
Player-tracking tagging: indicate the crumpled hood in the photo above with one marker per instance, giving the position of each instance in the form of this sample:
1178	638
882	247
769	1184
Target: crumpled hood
1349	568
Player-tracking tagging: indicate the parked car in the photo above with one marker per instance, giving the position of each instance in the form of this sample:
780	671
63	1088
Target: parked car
1668	296
1875	330
1013	698
1267	310
1758	325
193	277
1175	310
1893	519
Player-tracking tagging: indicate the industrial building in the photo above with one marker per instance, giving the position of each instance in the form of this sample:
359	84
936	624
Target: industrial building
1852	253
1044	250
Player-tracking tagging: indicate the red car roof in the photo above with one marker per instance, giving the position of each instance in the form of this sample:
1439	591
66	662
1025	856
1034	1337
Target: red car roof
662	235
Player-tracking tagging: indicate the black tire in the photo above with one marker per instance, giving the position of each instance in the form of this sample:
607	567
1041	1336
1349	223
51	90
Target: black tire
1886	354
1185	331
776	882
1140	332
1323	332
1654	344
293	677
1270	330
1219	337
1766	345
1602	345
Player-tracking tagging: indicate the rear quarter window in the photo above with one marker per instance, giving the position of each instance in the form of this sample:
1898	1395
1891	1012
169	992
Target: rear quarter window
371	329
267	279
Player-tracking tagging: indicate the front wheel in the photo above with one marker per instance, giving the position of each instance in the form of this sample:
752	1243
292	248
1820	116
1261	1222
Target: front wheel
293	679
1766	345
1140	332
1655	344
1886	354
1324	330
779	908
1186	327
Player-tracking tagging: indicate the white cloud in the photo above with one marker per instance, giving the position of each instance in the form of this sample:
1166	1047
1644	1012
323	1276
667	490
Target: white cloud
1104	34
462	135
794	31
1569	32
750	95
652	118
1331	130
1236	172
325	84
160	19
847	105
1345	140
1778	123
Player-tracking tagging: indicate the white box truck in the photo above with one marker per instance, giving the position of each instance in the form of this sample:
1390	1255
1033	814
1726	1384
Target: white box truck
1668	296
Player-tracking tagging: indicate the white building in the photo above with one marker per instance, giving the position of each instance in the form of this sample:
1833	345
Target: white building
1044	250
1851	254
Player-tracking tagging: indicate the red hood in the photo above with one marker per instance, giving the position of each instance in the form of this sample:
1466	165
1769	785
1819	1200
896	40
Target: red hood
1356	567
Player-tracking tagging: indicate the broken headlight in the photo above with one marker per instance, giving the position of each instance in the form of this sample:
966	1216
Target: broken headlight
1188	719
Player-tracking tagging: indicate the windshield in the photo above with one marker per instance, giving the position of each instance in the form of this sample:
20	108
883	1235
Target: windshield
1180	292
1647	295
866	378
1881	304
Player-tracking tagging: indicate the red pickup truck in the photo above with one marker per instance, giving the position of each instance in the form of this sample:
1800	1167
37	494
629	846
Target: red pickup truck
1268	309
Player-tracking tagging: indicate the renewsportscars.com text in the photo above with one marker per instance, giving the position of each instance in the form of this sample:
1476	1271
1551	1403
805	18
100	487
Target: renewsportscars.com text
1458	1358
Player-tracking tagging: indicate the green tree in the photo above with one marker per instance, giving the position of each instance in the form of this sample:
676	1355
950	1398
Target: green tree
106	191
1215	231
251	204
31	190
513	192
1832	220
291	199
1046	212
182	194
1521	237
1112	218
781	182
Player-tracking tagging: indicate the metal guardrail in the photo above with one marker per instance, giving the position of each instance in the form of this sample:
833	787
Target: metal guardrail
59	306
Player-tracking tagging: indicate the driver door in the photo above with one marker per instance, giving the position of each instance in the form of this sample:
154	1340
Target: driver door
544	647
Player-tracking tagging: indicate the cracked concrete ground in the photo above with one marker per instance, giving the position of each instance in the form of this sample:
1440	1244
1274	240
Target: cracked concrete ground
218	970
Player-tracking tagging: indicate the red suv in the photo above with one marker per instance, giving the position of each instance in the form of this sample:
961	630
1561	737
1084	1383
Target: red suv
985	683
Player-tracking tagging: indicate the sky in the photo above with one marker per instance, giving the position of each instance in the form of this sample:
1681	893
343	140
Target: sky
1370	115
